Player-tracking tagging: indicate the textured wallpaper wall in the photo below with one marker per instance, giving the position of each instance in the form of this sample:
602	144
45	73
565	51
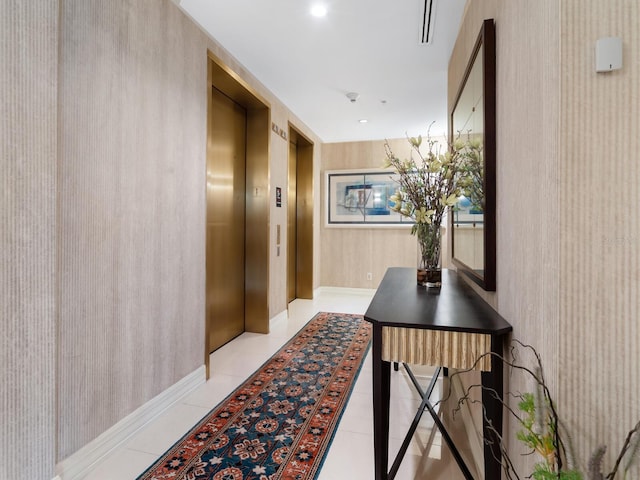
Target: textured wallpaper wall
129	147
568	257
28	111
599	336
132	207
131	245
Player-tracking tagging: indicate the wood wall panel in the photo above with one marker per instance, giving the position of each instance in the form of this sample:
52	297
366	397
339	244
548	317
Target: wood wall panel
348	254
28	122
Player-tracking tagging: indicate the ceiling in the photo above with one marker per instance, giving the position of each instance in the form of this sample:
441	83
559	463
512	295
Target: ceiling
371	47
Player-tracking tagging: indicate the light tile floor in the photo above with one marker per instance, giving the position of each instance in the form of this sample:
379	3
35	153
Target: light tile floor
351	454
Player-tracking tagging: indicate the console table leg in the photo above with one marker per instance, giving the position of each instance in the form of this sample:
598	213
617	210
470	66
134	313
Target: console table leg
492	397
381	390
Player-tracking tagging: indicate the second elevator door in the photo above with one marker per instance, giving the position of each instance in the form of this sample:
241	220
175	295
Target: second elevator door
226	166
292	228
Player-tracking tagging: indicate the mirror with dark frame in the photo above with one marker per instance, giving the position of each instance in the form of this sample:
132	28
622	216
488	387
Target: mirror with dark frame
473	117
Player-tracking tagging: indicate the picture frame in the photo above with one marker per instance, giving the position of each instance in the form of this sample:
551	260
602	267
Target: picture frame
361	198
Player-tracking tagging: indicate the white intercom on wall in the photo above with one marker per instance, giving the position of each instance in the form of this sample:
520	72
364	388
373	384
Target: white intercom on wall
608	54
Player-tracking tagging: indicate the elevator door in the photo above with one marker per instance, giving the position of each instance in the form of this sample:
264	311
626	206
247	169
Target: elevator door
300	219
225	220
292	228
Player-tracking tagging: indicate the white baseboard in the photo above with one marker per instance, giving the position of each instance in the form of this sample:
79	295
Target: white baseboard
345	290
57	477
76	466
283	315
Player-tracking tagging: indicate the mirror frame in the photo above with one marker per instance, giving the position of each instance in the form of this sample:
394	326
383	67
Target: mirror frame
485	45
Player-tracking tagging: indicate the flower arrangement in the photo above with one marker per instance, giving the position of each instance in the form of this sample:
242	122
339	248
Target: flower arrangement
472	178
428	184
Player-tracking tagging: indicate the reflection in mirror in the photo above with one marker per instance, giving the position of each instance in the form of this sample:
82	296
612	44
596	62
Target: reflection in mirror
473	119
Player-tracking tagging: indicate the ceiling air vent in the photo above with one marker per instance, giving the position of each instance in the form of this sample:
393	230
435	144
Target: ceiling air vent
428	17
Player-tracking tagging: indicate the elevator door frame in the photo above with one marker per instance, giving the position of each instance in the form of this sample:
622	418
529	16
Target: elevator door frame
257	194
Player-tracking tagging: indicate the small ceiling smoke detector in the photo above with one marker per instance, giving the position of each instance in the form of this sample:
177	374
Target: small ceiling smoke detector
353	96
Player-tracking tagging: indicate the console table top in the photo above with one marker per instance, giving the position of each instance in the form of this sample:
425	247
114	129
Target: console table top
400	302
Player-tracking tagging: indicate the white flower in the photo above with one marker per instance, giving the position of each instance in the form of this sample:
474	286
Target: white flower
430	182
421	215
449	201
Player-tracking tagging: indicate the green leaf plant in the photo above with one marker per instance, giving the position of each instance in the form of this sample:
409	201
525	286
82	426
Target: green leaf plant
540	429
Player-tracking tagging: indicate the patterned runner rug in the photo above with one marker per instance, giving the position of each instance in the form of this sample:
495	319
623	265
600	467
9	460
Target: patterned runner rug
279	424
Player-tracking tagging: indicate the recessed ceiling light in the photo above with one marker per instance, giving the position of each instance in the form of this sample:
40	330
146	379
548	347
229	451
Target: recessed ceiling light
319	10
363	120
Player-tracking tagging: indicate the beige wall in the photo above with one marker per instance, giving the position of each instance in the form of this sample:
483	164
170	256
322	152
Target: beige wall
349	253
130	249
567	276
599	336
132	169
28	88
108	313
131	242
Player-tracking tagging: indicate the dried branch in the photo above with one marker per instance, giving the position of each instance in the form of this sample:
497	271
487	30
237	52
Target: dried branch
625	447
545	418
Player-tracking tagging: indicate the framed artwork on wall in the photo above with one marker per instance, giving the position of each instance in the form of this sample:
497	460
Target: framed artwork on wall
361	198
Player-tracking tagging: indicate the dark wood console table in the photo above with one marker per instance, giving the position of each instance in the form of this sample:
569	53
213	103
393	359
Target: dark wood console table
450	327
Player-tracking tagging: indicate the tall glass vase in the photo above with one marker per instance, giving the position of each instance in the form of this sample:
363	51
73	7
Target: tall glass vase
429	243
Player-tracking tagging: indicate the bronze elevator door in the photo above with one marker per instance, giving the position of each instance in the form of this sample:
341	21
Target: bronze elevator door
300	218
226	164
292	228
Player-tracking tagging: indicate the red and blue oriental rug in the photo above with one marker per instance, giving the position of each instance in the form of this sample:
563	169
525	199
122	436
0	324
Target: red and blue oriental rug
279	424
